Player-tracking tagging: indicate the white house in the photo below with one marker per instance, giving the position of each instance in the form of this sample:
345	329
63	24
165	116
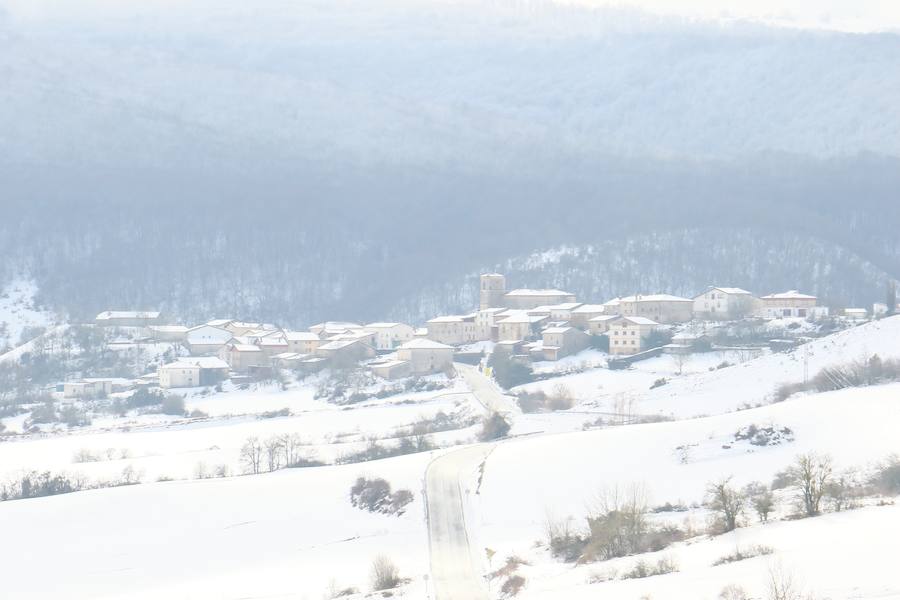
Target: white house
302	342
662	308
627	335
559	342
168	333
528	298
520	326
206	339
193	372
788	304
390	335
584	313
426	356
243	357
718	303
600	324
453	329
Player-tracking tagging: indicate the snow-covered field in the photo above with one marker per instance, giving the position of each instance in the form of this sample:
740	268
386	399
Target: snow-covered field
527	479
286	534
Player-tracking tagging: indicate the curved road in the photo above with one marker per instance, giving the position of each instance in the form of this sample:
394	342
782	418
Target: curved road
454	570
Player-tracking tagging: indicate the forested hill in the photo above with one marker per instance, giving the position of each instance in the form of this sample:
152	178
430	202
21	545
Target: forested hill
405	243
366	158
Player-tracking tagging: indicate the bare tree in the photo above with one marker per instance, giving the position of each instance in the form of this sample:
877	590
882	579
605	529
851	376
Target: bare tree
618	522
781	583
274	453
812	472
291	443
762	499
385	575
727	502
680	361
251	455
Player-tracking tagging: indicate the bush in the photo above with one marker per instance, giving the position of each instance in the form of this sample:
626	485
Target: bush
733	592
512	586
887	478
385	575
600	342
644	569
659	383
657	338
493	427
173	405
145	397
44	413
509	373
374	495
73	416
36	485
739	555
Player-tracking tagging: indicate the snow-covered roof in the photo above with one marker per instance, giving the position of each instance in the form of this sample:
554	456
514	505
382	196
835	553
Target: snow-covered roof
424	344
557	329
202	362
654	298
338	344
492	310
389	363
245	348
589	308
219	322
127	314
603	318
273	341
789	295
169	328
118	380
447	319
336	325
523	318
732	290
289	356
382	325
640	320
300	336
537	292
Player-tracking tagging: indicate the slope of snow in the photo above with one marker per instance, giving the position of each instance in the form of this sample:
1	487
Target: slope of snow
18	311
561	474
281	535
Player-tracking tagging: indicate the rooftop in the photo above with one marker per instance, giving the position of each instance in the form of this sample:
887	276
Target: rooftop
424	344
538	292
127	314
789	295
300	336
654	298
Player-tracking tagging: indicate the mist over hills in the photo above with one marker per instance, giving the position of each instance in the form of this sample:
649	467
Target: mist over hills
364	160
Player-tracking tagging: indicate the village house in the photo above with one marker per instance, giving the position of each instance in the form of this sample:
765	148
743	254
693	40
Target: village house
599	325
345	353
193	372
128	318
391	369
486	323
521	327
787	304
628	335
168	333
287	360
332	328
390	335
559	342
724	303
95	387
426	356
302	342
662	308
238	328
206	340
243	357
273	344
527	298
584	313
454	330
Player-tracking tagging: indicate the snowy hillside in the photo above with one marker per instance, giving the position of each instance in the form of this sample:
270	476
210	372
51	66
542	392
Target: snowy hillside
18	312
528	479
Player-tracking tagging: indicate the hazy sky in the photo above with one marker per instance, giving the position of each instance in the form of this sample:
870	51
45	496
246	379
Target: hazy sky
845	15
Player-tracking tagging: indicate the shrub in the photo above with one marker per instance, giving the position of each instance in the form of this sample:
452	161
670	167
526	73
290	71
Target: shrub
44	413
657	338
644	569
733	592
374	495
508	372
493	427
512	586
144	397
727	503
532	402
659	383
173	405
73	416
385	575
762	500
739	555
600	342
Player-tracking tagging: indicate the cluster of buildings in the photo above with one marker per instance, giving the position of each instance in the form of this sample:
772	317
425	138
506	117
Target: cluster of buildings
545	324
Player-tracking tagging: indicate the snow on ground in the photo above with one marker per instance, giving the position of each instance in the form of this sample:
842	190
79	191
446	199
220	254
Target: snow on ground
18	311
527	477
697	390
279	535
159	446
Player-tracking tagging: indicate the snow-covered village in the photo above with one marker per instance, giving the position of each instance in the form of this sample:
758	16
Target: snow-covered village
449	300
711	400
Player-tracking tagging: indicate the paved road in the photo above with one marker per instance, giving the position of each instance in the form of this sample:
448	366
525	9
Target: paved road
454	573
454	569
486	391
